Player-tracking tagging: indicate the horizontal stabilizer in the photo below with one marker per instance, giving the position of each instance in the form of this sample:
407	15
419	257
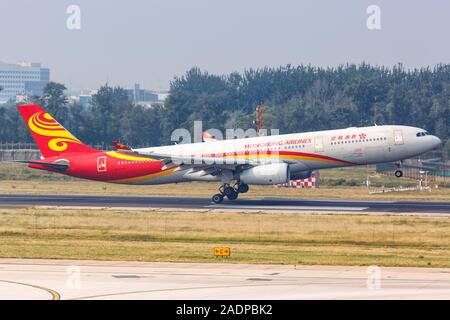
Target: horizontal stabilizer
60	165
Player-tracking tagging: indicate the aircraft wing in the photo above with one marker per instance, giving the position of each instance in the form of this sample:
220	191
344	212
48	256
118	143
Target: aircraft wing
220	158
199	160
227	161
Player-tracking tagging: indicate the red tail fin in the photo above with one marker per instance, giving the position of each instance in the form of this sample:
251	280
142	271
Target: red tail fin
51	137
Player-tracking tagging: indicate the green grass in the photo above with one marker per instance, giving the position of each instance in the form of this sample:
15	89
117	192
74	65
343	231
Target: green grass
357	176
20	172
18	179
253	237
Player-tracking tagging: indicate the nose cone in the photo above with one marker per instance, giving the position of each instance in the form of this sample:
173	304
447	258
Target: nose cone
436	142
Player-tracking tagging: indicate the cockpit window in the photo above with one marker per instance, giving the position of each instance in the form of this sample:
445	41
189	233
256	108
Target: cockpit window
422	134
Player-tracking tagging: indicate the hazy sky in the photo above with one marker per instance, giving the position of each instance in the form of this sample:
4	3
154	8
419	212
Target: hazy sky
149	42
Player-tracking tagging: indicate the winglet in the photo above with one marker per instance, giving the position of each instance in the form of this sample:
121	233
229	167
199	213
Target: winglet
207	137
120	146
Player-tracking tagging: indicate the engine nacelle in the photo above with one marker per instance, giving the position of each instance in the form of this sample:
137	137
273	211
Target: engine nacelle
301	175
273	173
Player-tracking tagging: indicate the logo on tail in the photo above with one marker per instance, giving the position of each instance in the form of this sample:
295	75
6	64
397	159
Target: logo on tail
52	138
44	124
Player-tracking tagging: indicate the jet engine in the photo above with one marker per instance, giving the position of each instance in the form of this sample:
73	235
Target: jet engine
273	173
301	175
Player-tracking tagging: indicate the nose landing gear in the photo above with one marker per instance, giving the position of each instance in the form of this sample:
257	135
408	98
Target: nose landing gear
230	192
398	173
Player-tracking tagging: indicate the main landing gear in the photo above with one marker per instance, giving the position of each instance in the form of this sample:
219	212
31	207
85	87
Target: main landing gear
226	190
398	173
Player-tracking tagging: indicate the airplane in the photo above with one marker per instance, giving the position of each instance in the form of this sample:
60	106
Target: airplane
262	160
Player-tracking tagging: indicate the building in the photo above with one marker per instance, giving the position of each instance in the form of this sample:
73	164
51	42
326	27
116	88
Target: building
85	101
162	96
82	97
142	96
22	79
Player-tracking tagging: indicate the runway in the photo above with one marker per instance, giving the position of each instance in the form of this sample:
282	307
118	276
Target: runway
64	279
278	204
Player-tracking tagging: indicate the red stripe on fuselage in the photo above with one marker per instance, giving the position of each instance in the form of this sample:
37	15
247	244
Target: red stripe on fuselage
281	154
94	167
102	166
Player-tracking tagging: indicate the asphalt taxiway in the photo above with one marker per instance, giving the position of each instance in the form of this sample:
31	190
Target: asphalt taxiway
70	279
279	204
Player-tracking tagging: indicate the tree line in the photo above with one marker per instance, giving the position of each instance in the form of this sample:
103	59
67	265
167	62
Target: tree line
296	98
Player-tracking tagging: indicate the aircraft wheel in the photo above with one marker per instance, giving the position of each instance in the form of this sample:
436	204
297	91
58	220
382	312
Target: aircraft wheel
229	191
217	198
233	195
398	173
242	188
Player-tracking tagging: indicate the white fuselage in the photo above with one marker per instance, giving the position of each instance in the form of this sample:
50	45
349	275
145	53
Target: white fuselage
304	151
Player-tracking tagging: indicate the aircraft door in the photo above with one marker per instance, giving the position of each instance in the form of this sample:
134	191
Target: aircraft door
318	144
398	137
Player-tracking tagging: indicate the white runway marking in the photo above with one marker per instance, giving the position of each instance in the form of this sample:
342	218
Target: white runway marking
42	279
339	200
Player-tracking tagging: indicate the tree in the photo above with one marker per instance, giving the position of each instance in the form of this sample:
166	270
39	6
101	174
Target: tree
55	102
297	98
110	112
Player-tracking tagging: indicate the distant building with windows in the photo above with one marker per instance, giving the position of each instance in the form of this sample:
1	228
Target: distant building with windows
85	101
84	98
162	96
142	96
22	79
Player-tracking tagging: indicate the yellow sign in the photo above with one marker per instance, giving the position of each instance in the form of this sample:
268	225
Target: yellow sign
222	251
